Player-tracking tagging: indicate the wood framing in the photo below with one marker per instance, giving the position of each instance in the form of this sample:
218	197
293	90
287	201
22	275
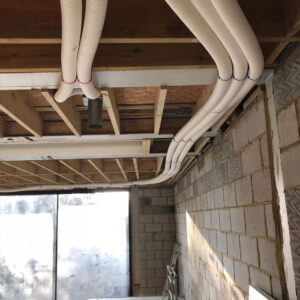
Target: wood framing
67	111
159	164
120	164
146	146
74	165
159	108
136	168
15	106
1	127
97	165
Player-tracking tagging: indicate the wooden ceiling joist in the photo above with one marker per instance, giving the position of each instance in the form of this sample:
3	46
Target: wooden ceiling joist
159	108
136	168
74	165
120	164
146	146
16	107
159	164
1	127
205	93
97	165
112	109
67	111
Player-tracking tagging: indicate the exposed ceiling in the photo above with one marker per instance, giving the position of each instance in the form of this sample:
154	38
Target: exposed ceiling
138	35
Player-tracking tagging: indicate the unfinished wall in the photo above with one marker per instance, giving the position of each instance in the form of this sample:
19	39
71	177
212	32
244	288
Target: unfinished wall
287	98
153	237
224	218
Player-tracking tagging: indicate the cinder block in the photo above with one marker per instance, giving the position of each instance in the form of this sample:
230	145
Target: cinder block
240	135
249	250
147	273
225	220
162	236
168	245
143	283
222	241
255	220
153	228
157	245
146	254
166	191
215	221
233	243
241	275
154	264
159	201
210	200
267	253
237	219
243	191
261	182
169	227
141	228
228	267
251	159
270	221
147	291
213	239
155	282
264	150
229	195
145	237
276	288
161	273
142	246
256	121
165	254
287	126
145	218
219	198
260	280
207	219
234	166
161	218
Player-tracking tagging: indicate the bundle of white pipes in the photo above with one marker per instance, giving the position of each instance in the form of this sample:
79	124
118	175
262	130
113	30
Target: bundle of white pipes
223	30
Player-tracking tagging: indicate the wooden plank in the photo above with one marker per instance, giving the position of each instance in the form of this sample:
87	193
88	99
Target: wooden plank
146	146
159	164
52	167
67	111
74	165
276	52
97	165
13	103
159	108
1	127
30	169
205	94
136	168
120	164
112	109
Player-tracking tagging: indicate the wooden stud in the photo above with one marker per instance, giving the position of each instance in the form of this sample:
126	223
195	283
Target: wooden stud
74	165
136	168
159	108
13	103
97	165
120	163
67	111
146	146
112	109
159	164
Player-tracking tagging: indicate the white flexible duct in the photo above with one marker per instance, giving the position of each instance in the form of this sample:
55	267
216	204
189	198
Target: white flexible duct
92	29
71	12
251	50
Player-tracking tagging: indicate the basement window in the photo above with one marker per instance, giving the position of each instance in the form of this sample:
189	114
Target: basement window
64	246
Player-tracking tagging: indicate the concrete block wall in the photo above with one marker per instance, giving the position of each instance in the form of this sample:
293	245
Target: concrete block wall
224	218
154	239
287	98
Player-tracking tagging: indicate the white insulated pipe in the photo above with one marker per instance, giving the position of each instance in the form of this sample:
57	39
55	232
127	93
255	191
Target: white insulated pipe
71	12
93	24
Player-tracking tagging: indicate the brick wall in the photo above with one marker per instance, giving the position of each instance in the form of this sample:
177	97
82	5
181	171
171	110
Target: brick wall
224	219
287	98
154	240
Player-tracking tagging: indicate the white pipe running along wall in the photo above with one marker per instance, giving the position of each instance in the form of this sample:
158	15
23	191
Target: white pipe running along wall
71	12
93	24
219	102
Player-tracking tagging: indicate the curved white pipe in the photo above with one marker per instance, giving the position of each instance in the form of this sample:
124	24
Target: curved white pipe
92	29
71	12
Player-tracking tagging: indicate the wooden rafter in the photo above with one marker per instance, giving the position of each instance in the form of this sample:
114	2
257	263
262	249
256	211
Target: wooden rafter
204	95
136	168
120	164
9	171
159	164
112	109
15	106
1	127
97	165
276	52
159	108
67	111
74	165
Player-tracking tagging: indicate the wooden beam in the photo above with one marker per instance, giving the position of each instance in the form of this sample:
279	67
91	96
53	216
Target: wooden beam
112	109
67	111
30	169
204	95
74	165
97	165
7	170
146	146
291	10
120	164
276	52
1	127
159	164
136	168
159	108
13	103
52	166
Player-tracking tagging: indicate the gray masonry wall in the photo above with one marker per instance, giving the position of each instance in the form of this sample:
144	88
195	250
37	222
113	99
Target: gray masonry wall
287	98
224	219
153	238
